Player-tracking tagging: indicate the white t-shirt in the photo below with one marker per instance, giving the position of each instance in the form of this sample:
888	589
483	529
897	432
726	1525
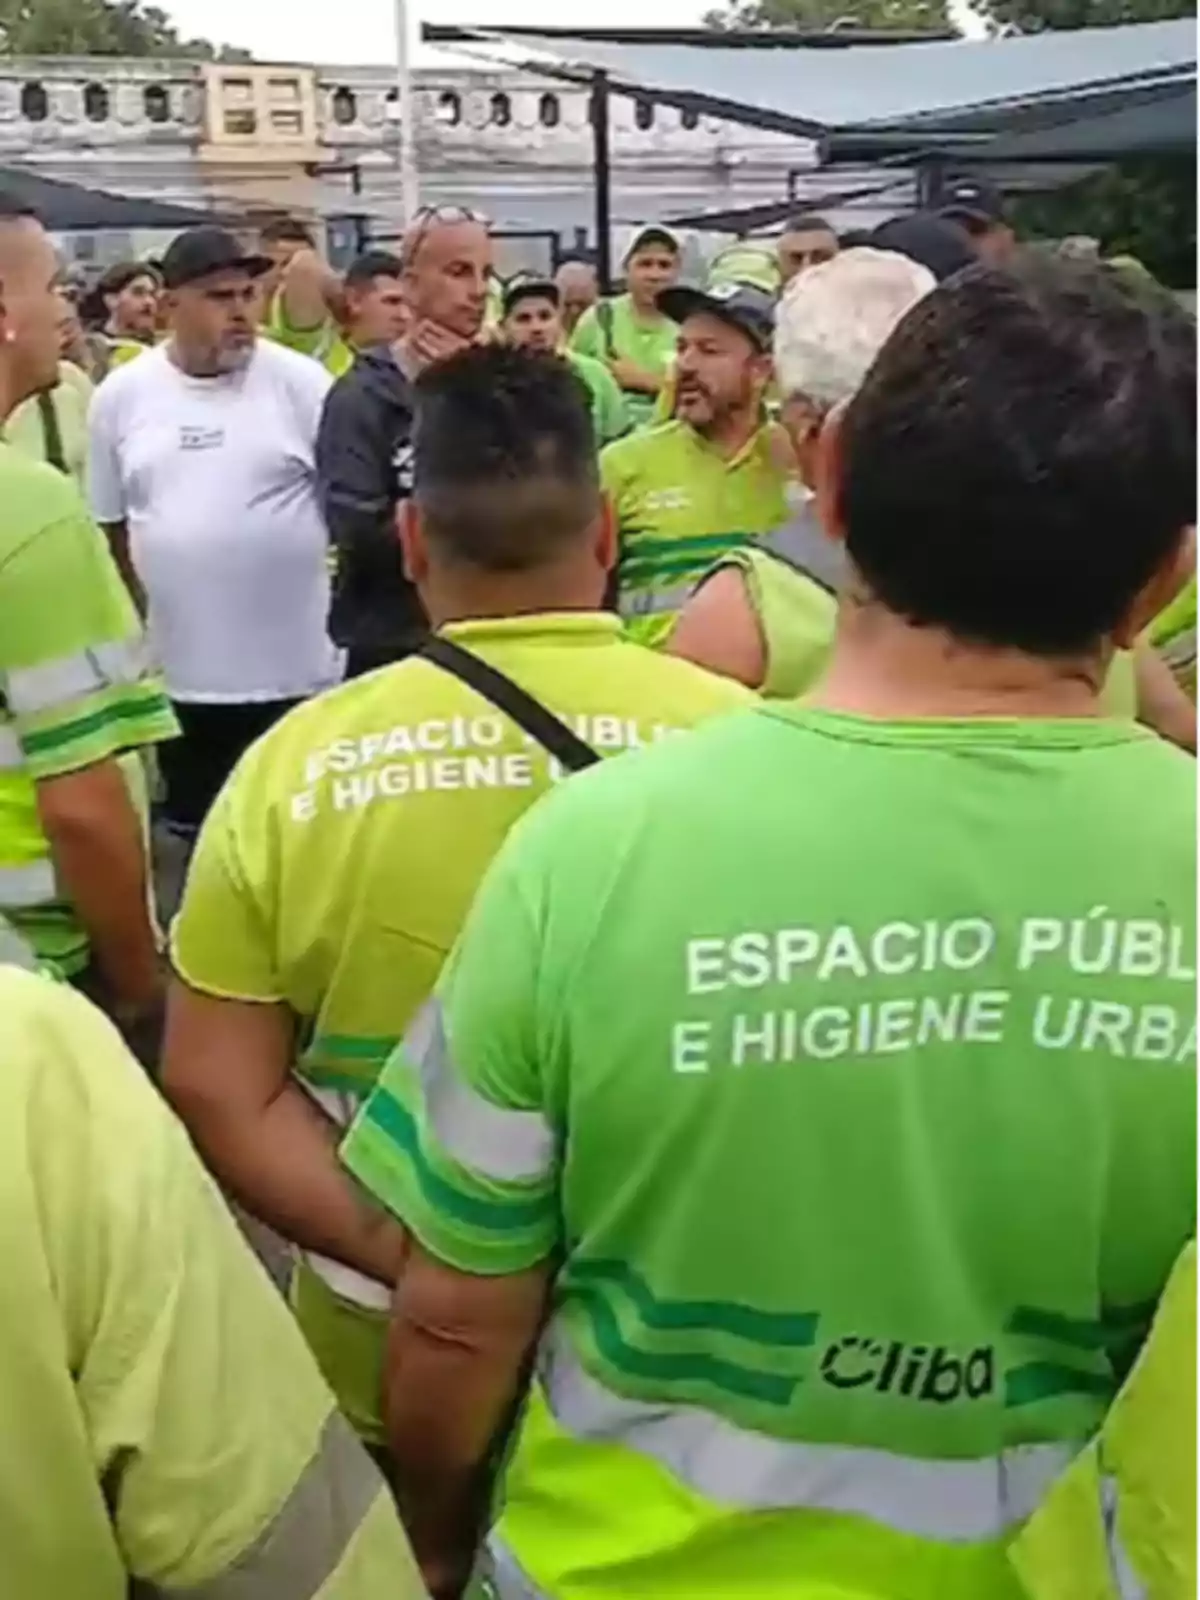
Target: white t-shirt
215	480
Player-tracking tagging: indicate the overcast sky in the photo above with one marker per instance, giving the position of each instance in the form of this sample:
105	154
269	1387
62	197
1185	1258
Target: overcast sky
364	30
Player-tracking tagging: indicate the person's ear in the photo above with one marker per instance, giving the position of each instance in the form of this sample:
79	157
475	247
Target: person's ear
827	473
606	535
414	552
1168	580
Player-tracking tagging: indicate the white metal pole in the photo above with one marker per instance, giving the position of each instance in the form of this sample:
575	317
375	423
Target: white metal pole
406	118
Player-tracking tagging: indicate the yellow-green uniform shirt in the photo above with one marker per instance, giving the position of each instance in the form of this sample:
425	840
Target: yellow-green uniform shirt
680	506
336	868
162	1417
25	429
323	343
75	685
617	330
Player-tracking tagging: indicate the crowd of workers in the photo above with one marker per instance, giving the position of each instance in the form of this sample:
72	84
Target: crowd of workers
763	1166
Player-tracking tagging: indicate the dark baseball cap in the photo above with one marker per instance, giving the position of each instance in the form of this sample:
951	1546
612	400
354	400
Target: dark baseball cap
743	305
531	288
200	252
932	242
974	200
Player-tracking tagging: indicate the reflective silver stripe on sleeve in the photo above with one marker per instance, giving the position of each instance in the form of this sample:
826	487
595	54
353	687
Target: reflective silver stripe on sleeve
30	690
15	951
655	602
1125	1580
950	1501
12	757
304	1543
31	884
510	1146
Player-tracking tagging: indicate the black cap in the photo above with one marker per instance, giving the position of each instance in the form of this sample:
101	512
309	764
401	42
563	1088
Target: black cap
972	199
200	252
743	305
531	288
655	234
932	242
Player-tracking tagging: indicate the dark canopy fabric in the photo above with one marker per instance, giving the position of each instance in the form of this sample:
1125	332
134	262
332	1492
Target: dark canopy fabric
71	208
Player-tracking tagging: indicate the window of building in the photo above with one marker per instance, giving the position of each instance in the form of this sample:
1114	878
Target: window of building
35	102
155	103
689	119
449	108
643	114
500	112
549	111
391	105
238	115
240	121
344	106
95	102
289	123
283	91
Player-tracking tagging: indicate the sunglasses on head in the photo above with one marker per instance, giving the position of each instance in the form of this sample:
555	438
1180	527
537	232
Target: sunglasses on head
431	217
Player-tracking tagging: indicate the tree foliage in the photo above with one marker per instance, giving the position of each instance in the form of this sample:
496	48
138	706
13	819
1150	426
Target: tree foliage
821	15
1032	16
98	28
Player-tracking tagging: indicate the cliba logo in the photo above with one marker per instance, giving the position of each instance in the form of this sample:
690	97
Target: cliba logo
931	1373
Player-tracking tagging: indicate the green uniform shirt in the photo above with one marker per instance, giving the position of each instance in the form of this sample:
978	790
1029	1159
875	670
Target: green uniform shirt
334	871
848	1069
323	343
162	1418
25	429
74	682
680	506
619	331
610	418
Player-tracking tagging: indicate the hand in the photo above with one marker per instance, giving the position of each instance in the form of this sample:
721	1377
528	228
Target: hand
630	376
427	343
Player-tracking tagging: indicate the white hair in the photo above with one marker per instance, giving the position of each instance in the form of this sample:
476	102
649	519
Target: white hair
835	318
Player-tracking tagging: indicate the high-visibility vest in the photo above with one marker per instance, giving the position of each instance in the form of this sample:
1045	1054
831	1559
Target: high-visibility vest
1121	1524
26	869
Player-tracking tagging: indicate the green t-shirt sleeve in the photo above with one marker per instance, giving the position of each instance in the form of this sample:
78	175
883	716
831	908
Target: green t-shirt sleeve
588	337
457	1139
73	667
221	941
611	414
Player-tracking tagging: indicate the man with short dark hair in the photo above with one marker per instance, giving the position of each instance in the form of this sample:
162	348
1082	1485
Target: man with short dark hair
374	309
78	702
806	242
630	333
804	1127
364	449
977	207
202	468
335	872
531	319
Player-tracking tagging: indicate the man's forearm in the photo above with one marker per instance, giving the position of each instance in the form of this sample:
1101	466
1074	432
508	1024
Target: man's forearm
99	854
282	1166
117	534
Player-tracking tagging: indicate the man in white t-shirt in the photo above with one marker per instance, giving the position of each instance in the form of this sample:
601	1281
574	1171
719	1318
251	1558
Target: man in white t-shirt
202	473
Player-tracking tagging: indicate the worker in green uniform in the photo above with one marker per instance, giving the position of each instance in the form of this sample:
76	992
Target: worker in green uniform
124	307
78	701
317	313
631	333
689	491
814	1096
531	319
163	1421
333	874
764	614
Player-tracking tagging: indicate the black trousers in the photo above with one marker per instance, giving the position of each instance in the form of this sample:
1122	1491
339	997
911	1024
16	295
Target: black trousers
212	740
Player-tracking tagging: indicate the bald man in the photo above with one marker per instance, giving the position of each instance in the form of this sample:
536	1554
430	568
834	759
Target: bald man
364	449
578	291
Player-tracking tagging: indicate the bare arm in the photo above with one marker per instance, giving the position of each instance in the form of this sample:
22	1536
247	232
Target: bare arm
632	377
309	292
99	854
459	1354
117	534
1161	703
718	629
228	1073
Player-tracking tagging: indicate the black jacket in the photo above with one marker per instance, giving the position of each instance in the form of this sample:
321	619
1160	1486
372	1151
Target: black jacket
364	468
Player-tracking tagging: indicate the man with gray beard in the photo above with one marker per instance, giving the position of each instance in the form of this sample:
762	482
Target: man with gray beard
202	472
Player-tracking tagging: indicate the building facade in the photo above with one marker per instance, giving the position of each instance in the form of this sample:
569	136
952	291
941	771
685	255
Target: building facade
323	142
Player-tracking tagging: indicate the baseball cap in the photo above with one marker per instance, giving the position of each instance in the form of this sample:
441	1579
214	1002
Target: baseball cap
199	252
742	305
932	242
974	199
531	288
654	234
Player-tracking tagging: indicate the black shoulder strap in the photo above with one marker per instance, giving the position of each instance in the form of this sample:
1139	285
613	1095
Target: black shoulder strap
566	747
604	316
51	432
